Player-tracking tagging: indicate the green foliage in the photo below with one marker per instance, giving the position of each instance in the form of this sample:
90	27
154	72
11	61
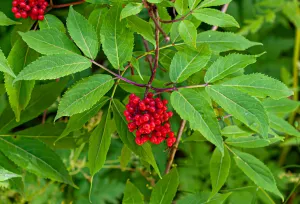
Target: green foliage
132	194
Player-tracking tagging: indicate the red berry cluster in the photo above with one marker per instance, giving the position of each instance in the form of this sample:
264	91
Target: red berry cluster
150	119
33	8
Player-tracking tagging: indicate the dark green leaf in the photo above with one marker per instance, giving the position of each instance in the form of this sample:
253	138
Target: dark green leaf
203	198
4	66
125	156
209	3
284	105
283	126
96	19
235	131
132	195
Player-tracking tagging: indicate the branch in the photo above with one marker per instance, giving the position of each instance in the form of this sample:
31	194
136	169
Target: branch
224	9
66	5
178	19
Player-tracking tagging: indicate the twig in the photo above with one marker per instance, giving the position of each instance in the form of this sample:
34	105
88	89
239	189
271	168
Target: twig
175	146
149	57
178	19
66	5
44	116
224	9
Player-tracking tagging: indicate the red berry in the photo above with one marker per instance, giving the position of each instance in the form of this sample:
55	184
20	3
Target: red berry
24	14
165	102
18	15
22	4
14	9
27	8
14	3
41	17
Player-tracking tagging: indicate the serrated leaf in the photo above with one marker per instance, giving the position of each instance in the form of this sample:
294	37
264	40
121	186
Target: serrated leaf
248	142
187	62
259	85
4	66
280	106
5	21
132	194
136	65
96	19
257	171
188	32
35	157
6	175
82	33
210	3
193	107
49	42
78	120
193	3
235	131
53	67
51	21
84	94
131	9
125	156
141	27
42	97
203	198
19	93
242	106
224	41
283	126
144	151
215	17
165	189
181	6
116	38
227	65
219	169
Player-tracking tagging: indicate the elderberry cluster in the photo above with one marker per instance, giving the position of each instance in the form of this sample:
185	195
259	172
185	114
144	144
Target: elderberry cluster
150	119
35	9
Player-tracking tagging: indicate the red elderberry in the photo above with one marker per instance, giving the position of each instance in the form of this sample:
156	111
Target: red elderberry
149	119
35	9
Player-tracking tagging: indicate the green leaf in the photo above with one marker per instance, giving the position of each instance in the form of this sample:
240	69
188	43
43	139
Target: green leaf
141	27
181	6
210	3
96	19
116	38
242	106
283	126
5	21
35	157
131	9
219	169
165	189
99	143
203	198
51	21
188	32
227	65
53	67
135	63
165	57
187	62
283	105
4	66
155	1
215	17
193	3
132	194
291	10
193	107
49	42
248	142
144	151
257	171
84	94
82	33
78	120
224	41
259	85
235	131
42	97
24	27
6	175
19	93
125	156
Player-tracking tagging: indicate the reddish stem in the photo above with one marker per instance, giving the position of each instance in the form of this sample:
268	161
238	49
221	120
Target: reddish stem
66	5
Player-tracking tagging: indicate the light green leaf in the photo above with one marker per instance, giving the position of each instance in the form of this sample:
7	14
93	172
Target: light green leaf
224	41
82	33
131	9
219	169
242	106
136	65
49	42
53	67
51	21
155	1
203	198
235	131
248	142
144	151
116	38
193	3
78	120
165	57
291	10
5	21
19	93
141	27
165	189
6	175
215	17
187	62
132	194
181	6
193	107
209	3
257	171
227	65
4	66
283	105
125	156
96	19
188	32
99	143
35	157
283	126
84	95
259	85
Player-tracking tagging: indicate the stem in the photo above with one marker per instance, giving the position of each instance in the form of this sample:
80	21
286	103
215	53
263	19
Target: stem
178	19
224	9
66	5
175	147
149	57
